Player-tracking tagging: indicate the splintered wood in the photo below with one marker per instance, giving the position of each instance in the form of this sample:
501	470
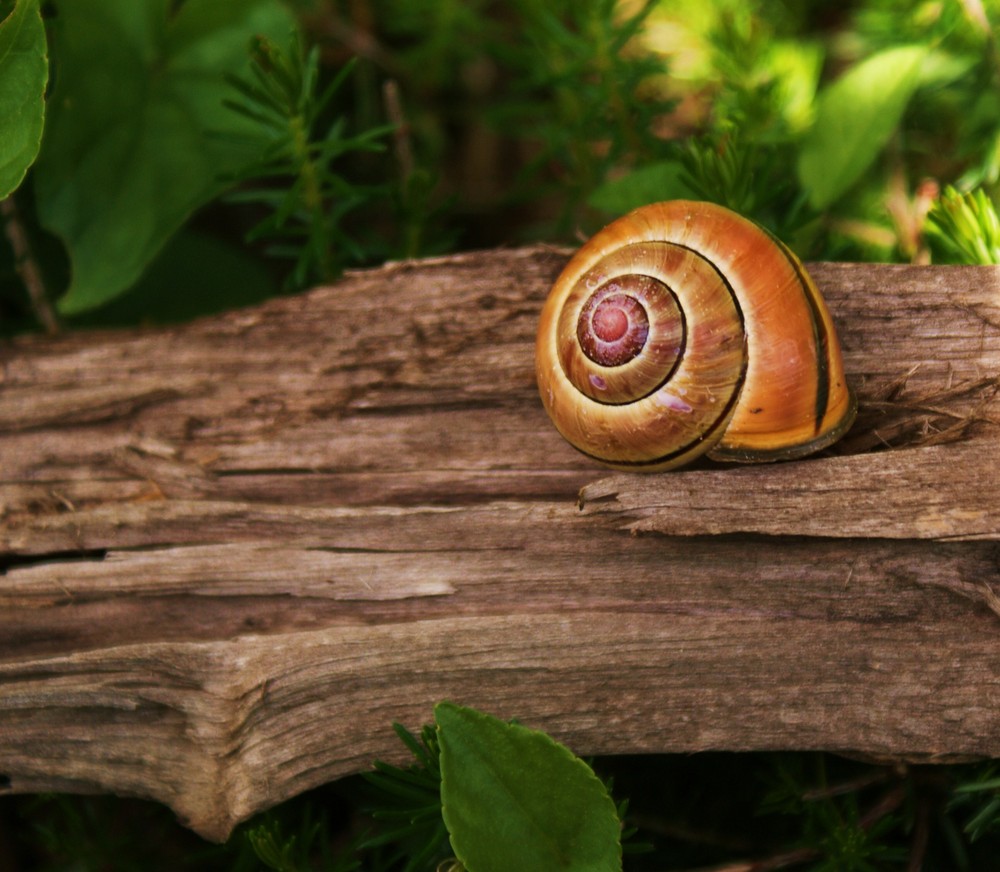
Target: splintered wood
233	553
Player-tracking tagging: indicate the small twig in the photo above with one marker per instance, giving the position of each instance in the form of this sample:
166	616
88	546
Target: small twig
921	836
359	41
894	388
979	592
990	597
681	832
886	805
891	801
845	787
401	129
897	421
769	864
27	267
783	861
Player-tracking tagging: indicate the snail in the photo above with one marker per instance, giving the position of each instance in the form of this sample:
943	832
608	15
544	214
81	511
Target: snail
684	329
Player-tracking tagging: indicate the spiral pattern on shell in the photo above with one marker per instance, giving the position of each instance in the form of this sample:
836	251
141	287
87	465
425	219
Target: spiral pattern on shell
683	328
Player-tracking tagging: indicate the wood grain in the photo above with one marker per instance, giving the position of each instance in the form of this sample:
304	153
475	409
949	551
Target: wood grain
232	553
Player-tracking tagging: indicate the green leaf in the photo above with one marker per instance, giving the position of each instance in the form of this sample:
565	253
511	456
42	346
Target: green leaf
24	71
855	118
137	136
193	275
513	798
647	184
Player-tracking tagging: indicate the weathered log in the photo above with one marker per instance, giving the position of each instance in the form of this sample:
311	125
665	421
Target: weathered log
233	553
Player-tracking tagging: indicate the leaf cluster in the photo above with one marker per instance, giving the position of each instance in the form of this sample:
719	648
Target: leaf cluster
832	140
123	168
965	228
156	111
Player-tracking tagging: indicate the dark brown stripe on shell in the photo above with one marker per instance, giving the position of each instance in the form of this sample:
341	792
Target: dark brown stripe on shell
820	335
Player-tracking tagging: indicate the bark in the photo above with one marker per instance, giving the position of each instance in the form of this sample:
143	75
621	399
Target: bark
232	553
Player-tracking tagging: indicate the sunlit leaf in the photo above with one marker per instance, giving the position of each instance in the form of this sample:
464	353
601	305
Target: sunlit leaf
855	118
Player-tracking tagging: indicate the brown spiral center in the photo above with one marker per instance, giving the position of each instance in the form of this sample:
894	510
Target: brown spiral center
621	333
613	327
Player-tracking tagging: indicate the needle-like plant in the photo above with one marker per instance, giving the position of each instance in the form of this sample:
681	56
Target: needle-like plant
407	803
308	201
964	228
979	799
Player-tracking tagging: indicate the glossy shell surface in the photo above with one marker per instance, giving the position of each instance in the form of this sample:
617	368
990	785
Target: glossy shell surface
683	328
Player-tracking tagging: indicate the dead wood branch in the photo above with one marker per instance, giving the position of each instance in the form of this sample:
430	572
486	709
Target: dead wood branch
233	553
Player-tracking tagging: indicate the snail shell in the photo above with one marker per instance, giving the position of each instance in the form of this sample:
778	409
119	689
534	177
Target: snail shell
683	329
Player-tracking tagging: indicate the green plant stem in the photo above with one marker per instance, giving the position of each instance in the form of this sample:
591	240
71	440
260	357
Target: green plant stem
312	192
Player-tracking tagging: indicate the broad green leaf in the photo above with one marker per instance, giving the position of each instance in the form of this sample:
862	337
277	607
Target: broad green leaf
24	71
513	798
194	274
855	118
137	136
647	184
